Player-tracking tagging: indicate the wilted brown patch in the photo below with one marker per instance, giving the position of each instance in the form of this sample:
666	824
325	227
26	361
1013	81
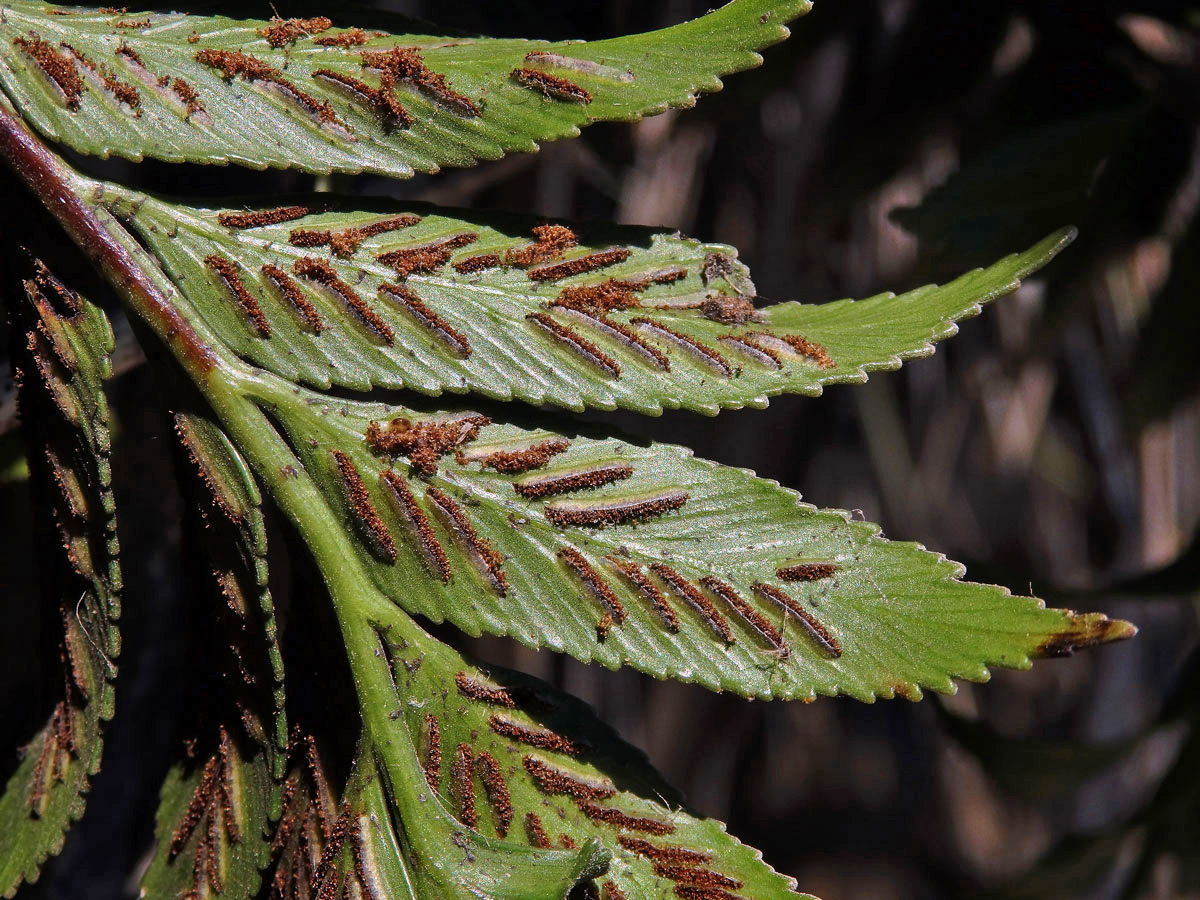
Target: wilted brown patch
1084	630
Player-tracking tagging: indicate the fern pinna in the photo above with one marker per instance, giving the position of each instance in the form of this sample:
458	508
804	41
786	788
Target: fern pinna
270	314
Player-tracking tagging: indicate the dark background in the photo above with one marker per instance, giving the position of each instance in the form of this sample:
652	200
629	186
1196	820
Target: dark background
1053	445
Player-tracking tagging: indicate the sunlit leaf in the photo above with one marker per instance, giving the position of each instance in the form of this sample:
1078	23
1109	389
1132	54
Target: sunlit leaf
647	556
638	318
305	94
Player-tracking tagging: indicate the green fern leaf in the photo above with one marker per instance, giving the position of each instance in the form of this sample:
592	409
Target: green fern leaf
303	94
647	556
515	761
62	398
637	318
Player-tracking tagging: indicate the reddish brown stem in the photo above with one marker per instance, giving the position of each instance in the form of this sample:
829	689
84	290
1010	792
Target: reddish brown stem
47	178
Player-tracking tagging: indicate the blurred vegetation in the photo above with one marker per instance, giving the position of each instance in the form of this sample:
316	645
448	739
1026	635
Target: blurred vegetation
1054	446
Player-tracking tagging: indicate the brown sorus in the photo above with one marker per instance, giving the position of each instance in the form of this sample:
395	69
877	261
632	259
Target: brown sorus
235	64
812	571
549	485
603	627
535	832
68	301
612	892
599	298
568	843
477	263
427	257
365	514
464	785
746	343
432	764
484	693
407	64
496	789
367	875
215	483
401	497
125	93
381	99
577	342
292	293
309	237
597	585
346	241
351	37
706	355
550	242
193	38
680	855
696	892
699	877
320	271
130	54
261	217
649	590
551	85
729	310
512	462
424	443
615	512
541	738
811	349
579	265
485	554
556	781
749	614
133	23
609	816
695	599
416	307
59	69
626	335
818	632
280	32
228	271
